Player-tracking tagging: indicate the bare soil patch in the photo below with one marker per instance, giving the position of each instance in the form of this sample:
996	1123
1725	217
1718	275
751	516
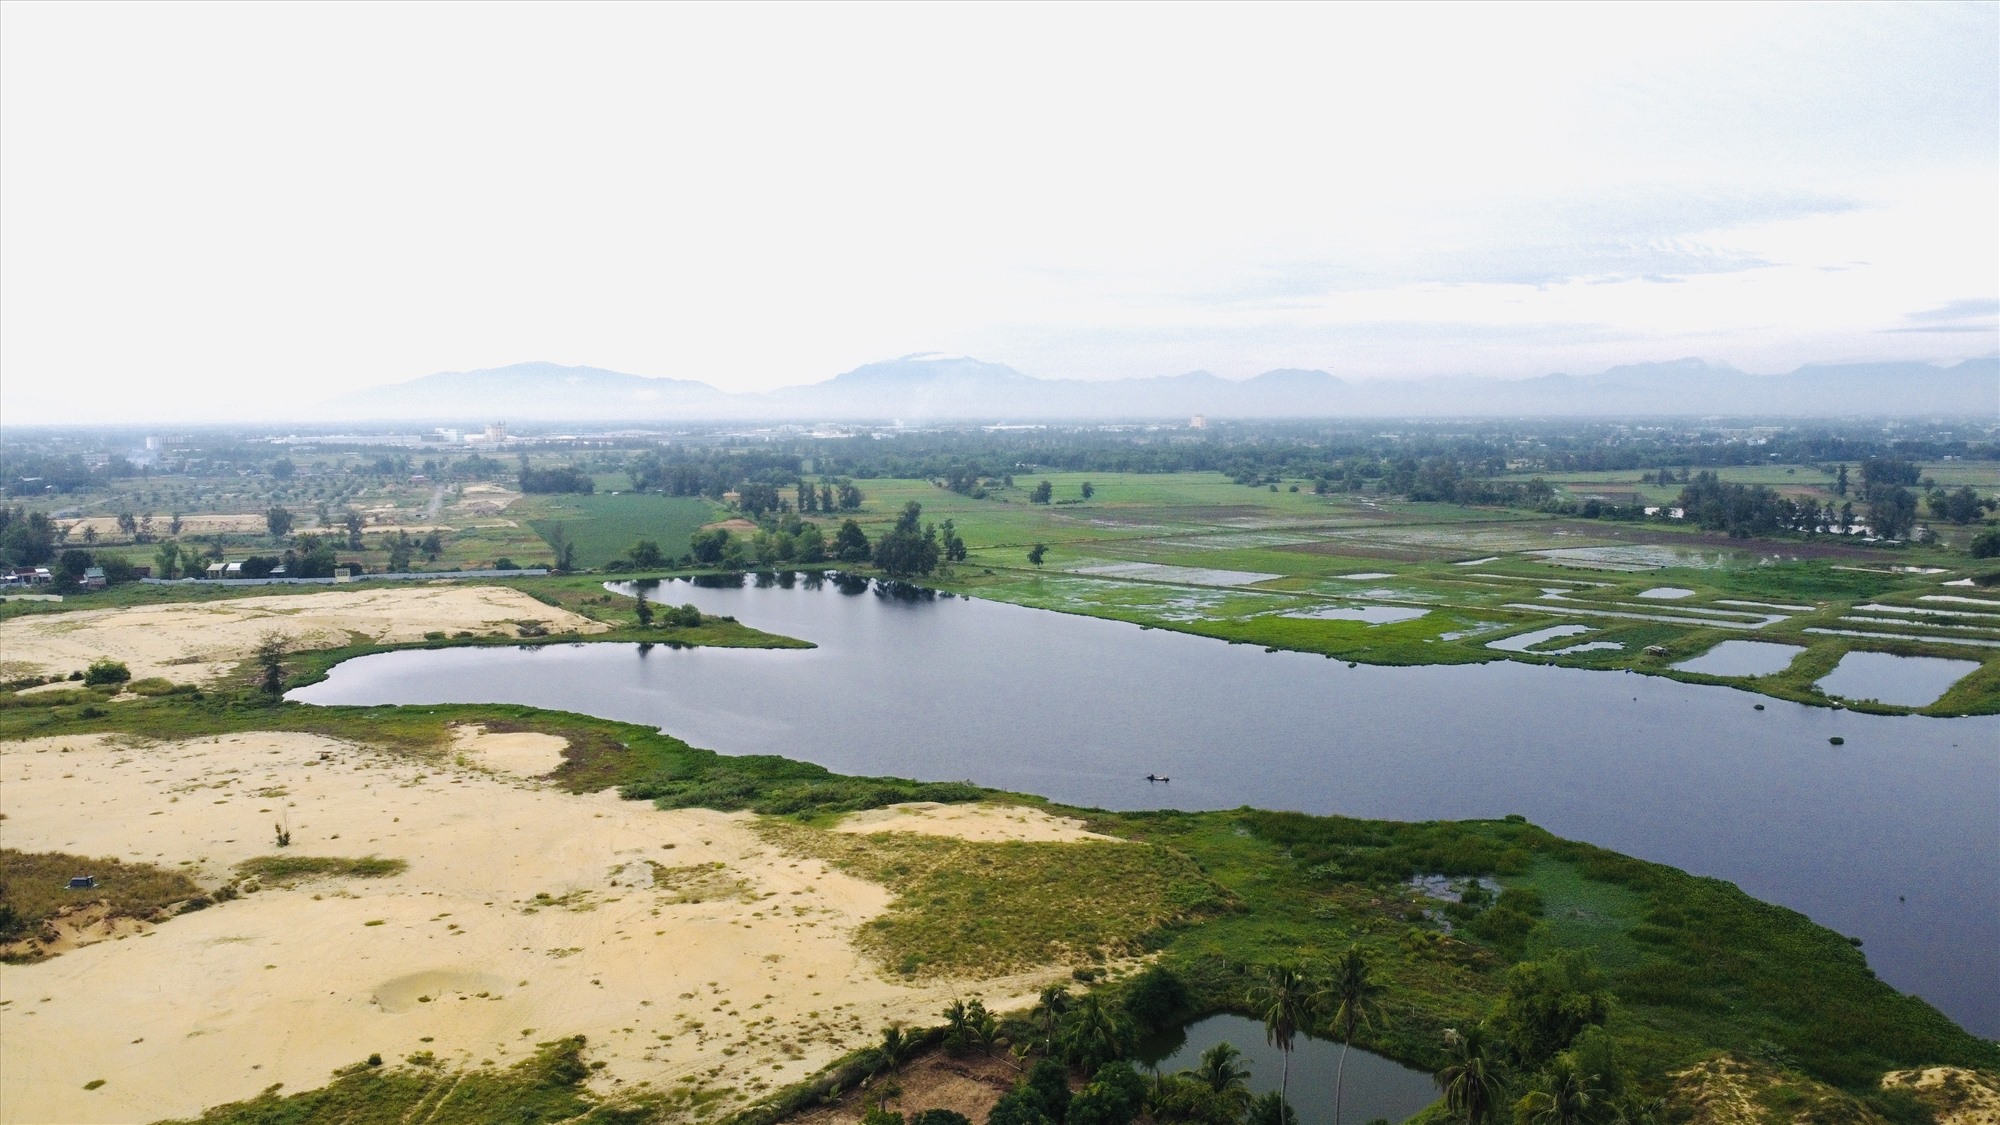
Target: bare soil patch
198	642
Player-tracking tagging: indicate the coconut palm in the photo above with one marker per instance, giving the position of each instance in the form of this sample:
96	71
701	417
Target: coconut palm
1049	1010
1221	1070
1286	1001
1355	997
1471	1081
1093	1035
1562	1095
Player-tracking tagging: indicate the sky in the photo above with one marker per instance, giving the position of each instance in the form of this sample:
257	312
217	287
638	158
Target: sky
227	211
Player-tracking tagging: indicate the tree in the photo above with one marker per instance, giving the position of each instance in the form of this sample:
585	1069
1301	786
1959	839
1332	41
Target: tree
1986	545
1356	999
1221	1070
954	547
1089	490
401	548
354	522
904	551
1037	553
128	524
1093	1034
559	541
270	659
850	543
282	469
1471	1080
1286	1001
1043	492
1547	1004
433	546
810	544
645	554
167	559
709	547
1050	1007
1563	1094
279	522
1271	1109
644	609
1114	1096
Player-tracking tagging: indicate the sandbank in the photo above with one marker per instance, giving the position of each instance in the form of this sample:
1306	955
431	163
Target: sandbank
198	642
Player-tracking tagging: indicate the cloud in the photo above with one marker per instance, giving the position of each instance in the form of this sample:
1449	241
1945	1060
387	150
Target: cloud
1971	314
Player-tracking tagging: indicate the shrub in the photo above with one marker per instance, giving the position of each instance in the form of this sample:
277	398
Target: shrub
106	671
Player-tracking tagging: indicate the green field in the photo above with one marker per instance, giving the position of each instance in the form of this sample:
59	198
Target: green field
1198	553
605	525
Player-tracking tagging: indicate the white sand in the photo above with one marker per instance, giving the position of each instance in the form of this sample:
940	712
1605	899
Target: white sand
286	984
197	642
981	822
1976	1100
521	754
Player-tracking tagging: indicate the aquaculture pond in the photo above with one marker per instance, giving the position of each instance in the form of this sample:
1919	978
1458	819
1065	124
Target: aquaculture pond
1889	837
1744	658
1904	681
1374	1087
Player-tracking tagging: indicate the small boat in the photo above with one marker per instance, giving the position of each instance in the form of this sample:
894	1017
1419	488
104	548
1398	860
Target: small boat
1157	777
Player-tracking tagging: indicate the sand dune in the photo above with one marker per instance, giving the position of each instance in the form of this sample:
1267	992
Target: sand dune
200	641
525	914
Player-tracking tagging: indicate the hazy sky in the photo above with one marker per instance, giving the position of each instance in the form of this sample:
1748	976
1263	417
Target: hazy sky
235	209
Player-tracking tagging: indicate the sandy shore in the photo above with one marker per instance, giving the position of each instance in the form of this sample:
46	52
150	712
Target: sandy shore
199	642
525	914
981	822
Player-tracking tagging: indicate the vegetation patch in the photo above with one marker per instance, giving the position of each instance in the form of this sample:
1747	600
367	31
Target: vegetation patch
697	882
547	1087
286	870
35	889
968	908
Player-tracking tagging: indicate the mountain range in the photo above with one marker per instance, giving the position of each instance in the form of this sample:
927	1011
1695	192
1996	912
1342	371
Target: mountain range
927	387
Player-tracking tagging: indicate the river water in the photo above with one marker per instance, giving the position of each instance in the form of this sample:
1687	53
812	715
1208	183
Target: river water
1891	837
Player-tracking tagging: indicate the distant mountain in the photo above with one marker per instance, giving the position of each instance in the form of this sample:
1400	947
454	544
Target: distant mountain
547	392
927	387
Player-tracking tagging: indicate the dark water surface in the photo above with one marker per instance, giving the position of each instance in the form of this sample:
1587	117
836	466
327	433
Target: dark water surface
1892	837
1372	1087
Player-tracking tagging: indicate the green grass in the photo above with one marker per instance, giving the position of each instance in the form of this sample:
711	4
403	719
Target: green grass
976	909
547	1087
34	887
604	526
287	870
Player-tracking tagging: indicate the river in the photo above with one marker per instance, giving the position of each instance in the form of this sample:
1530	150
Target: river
1890	837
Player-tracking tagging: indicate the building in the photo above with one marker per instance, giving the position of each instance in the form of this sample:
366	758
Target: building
93	578
496	433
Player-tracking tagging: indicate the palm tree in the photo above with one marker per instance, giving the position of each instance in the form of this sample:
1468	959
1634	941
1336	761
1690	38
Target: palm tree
1562	1095
1356	998
1094	1035
1471	1081
1286	1002
1221	1072
1054	1002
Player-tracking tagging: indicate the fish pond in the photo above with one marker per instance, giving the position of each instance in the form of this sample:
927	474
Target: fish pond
1905	681
1373	1087
1889	837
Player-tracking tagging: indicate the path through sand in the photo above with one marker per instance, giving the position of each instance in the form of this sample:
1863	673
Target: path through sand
196	642
525	914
